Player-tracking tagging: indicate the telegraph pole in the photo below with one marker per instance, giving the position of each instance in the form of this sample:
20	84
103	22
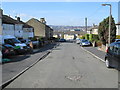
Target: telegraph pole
86	24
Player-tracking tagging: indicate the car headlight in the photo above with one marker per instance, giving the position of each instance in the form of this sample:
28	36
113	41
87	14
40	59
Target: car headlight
83	43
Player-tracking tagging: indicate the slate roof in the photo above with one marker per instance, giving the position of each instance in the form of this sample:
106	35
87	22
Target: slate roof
8	20
118	23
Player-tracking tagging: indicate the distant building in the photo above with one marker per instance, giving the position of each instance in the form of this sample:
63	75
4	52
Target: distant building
118	29
93	30
68	35
75	30
40	28
58	34
73	34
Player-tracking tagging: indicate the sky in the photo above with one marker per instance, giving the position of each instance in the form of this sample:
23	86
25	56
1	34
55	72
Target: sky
61	13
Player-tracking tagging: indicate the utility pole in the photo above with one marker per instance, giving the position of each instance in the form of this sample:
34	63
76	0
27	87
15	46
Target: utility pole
86	24
1	12
109	20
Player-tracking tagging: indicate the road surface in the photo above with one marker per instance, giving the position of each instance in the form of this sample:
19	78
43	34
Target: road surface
68	66
20	62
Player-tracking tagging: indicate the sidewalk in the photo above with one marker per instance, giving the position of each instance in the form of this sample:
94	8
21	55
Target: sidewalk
46	47
95	52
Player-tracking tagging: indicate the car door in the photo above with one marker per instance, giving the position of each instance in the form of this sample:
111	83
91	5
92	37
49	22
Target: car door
118	56
110	55
115	56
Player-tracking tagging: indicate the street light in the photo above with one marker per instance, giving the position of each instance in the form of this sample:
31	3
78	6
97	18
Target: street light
109	20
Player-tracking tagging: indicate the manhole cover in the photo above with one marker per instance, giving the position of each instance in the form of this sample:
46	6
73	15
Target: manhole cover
74	77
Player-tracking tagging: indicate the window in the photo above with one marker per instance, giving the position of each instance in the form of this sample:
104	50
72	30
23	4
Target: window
117	49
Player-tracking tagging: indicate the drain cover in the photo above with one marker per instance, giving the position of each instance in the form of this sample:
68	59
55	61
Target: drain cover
74	77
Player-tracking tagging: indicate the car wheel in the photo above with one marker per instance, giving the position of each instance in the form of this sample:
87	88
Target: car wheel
107	63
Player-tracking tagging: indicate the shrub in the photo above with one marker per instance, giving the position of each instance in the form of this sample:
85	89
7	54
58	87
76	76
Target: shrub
87	36
117	36
95	37
91	37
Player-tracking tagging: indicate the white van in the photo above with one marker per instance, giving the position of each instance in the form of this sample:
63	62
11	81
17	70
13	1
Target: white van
8	39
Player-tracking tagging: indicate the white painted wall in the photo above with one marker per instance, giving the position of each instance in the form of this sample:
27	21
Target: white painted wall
18	30
118	30
8	29
28	32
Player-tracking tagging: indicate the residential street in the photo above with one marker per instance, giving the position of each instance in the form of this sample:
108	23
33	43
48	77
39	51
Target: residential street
67	66
20	62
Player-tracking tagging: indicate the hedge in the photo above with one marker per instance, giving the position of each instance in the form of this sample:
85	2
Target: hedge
92	37
87	36
117	36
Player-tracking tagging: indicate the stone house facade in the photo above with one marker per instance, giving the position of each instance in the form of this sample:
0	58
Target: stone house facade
40	28
118	29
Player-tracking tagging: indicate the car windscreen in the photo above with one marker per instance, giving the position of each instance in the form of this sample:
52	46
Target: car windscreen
84	40
12	40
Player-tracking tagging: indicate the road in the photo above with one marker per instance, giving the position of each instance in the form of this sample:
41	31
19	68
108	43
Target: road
20	62
68	66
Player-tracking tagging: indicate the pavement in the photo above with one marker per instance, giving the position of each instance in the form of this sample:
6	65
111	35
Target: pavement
68	66
21	63
95	52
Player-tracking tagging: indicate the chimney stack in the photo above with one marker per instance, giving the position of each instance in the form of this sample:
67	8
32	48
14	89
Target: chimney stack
42	20
1	13
18	19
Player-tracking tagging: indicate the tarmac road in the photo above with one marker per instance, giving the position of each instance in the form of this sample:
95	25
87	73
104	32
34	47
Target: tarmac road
20	62
68	66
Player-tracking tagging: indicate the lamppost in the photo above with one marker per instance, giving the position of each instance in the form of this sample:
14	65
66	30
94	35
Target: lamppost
109	20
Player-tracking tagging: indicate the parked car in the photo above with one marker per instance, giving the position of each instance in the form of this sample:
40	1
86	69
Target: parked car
85	42
26	41
7	50
117	40
21	47
62	40
112	57
78	41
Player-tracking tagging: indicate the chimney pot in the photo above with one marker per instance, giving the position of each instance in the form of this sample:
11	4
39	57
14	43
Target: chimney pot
18	19
42	20
1	13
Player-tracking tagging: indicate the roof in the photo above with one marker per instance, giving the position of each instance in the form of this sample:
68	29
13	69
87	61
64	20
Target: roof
118	23
35	20
94	27
112	44
8	20
25	25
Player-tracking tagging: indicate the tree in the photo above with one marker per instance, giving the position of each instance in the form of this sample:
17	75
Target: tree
103	30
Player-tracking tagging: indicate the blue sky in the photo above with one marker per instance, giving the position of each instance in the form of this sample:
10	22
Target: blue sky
61	13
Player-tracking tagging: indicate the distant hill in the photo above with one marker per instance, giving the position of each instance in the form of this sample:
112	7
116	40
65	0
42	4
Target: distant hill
67	28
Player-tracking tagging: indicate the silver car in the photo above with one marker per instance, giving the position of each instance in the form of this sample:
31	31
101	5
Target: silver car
85	42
